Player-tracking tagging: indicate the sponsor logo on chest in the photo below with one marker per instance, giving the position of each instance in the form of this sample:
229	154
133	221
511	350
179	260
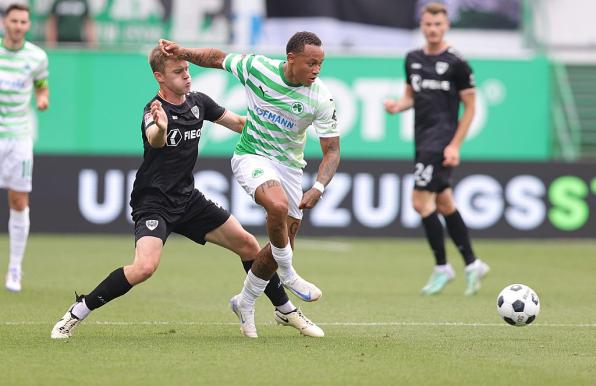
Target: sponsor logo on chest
175	136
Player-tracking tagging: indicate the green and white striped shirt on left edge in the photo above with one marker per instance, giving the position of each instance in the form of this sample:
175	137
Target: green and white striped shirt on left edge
279	112
20	71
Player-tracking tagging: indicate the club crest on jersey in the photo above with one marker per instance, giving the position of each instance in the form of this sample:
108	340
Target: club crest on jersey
257	173
297	107
174	137
151	224
441	67
195	111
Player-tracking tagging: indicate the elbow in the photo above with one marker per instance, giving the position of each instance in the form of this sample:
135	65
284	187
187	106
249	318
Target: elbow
156	144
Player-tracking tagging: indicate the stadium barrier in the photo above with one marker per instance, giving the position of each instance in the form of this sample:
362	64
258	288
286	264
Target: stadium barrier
366	198
95	113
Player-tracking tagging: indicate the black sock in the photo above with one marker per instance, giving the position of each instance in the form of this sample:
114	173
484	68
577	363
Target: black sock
458	231
274	290
113	286
434	234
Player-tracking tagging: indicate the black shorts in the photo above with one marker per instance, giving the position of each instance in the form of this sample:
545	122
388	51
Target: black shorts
429	172
201	217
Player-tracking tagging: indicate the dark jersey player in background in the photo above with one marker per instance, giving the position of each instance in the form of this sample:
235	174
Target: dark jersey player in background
438	79
164	198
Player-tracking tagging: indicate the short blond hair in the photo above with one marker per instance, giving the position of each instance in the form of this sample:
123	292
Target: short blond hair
434	9
157	60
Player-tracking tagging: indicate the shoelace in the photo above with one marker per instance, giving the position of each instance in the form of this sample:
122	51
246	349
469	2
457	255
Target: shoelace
301	316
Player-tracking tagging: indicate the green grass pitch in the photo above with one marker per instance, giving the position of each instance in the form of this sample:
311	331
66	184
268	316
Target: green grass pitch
177	329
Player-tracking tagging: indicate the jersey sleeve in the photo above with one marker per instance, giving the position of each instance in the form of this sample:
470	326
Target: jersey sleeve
239	65
464	77
407	68
325	122
213	111
41	73
147	118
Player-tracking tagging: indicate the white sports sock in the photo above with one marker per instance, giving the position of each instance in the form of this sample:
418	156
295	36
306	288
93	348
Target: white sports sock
18	229
287	307
253	288
473	265
80	310
283	257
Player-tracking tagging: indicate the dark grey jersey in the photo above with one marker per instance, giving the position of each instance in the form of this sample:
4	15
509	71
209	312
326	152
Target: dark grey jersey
165	180
436	81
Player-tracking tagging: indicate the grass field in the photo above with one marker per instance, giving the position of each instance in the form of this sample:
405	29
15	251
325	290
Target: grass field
176	329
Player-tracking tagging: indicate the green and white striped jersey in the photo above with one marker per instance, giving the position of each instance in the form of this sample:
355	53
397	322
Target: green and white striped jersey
279	112
20	71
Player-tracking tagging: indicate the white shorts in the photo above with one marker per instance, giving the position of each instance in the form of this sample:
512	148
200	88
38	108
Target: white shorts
251	171
16	164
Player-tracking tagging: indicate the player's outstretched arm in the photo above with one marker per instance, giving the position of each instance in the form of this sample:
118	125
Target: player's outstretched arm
156	131
203	57
404	103
327	169
232	121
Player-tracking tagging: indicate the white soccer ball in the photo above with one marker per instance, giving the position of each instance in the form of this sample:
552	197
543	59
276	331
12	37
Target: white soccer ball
518	305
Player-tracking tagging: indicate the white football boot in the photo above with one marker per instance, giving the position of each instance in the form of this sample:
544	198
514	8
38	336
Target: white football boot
64	327
303	289
300	322
246	316
13	280
474	274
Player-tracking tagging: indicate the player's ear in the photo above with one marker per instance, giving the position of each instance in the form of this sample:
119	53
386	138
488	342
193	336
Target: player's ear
291	57
158	76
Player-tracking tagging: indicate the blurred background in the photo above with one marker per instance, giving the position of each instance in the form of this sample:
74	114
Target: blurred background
528	170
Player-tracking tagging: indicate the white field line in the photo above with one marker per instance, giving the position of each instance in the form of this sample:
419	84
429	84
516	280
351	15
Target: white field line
338	324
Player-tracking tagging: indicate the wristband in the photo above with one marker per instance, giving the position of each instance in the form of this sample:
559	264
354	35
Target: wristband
319	186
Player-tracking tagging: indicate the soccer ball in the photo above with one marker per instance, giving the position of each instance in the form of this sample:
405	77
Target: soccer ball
518	305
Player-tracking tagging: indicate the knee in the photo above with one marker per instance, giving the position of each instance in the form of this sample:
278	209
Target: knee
145	270
423	208
445	208
250	246
18	202
445	205
278	210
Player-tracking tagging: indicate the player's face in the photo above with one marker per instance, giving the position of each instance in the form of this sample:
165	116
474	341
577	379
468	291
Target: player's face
433	27
16	24
176	76
307	64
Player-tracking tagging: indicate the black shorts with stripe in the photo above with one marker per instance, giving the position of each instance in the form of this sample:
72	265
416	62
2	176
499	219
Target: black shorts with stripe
201	216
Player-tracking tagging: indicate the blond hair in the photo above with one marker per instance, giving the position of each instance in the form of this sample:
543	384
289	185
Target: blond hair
434	9
157	60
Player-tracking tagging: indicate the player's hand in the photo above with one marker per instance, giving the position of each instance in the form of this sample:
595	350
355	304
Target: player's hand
159	115
310	199
42	103
451	156
169	48
391	106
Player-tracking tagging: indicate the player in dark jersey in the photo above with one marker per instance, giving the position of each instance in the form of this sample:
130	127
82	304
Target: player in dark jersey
164	198
438	79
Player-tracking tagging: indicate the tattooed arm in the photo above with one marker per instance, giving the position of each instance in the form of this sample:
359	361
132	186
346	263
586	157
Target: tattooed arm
204	57
327	169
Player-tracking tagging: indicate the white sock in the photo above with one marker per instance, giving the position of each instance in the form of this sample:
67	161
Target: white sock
286	308
283	257
18	229
80	310
253	288
473	265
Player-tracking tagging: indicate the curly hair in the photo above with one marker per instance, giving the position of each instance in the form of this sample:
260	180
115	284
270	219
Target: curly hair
300	39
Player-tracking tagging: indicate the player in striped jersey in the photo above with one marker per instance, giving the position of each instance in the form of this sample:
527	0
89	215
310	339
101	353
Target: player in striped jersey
284	97
23	70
